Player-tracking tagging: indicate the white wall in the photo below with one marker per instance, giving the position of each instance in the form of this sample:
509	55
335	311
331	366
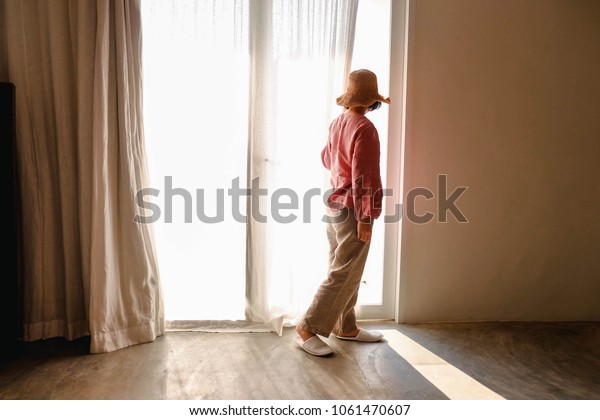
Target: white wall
504	97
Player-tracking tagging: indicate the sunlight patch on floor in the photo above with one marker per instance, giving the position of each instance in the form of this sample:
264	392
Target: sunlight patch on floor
453	382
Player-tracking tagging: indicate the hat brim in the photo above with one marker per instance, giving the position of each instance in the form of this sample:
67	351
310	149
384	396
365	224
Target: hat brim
348	100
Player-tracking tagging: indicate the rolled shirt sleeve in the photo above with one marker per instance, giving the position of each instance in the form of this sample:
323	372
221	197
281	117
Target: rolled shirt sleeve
367	191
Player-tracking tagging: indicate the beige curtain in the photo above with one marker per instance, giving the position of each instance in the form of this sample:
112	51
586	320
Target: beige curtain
3	44
88	268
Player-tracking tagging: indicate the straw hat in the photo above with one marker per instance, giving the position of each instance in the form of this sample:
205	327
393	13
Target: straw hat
361	90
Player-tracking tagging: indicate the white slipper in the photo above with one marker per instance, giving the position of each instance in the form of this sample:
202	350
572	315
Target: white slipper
314	346
364	335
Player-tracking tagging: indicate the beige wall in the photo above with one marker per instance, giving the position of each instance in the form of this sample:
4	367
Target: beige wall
504	97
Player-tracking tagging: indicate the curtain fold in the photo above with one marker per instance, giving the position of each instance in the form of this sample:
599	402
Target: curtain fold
88	267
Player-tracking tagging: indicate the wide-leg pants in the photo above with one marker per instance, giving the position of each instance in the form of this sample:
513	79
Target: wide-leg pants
332	309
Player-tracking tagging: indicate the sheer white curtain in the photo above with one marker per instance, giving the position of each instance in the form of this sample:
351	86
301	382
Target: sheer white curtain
87	267
196	113
302	52
244	91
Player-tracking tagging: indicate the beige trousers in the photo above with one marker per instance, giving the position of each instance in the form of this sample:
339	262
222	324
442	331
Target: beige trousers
332	309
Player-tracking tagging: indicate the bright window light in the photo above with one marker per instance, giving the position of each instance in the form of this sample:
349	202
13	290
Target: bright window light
196	106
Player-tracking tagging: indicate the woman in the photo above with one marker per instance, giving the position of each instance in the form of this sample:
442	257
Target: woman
352	157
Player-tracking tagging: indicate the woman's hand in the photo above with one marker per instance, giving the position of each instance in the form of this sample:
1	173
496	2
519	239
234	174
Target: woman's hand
364	231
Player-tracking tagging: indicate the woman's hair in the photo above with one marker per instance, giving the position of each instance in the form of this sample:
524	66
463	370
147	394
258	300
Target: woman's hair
375	106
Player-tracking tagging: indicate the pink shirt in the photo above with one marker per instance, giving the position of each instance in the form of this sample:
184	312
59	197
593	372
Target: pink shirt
352	157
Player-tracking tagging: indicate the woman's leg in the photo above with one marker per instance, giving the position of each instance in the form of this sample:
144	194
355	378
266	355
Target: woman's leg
339	291
347	321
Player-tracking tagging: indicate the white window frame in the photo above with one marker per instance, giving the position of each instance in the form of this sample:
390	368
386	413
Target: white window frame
390	306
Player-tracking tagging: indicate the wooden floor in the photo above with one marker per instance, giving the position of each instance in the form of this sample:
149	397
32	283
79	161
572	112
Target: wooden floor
433	361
